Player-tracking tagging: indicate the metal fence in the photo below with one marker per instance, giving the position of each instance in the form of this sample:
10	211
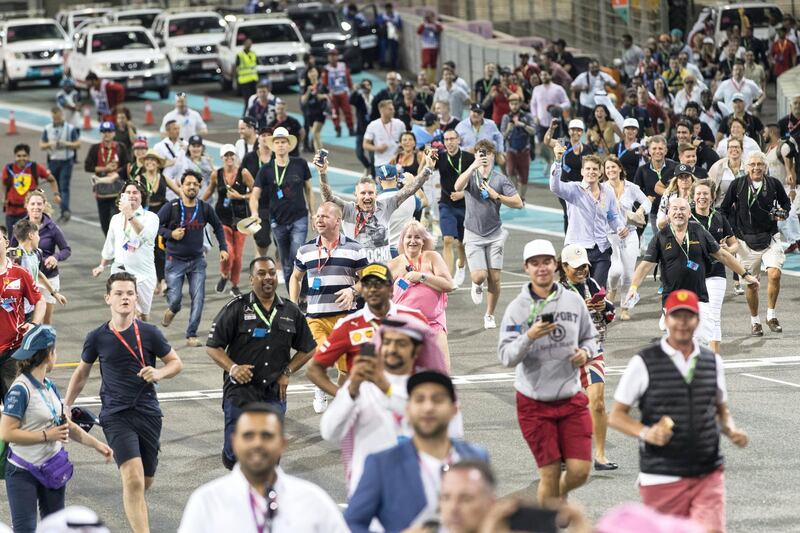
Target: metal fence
590	25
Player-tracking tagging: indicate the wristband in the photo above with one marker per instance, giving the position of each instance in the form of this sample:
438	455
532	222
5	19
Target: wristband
44	433
634	287
643	432
389	391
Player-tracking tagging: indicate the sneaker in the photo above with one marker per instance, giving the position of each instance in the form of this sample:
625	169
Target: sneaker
64	218
488	322
193	342
476	293
220	288
280	277
461	273
168	317
757	330
792	248
235	291
738	290
625	315
320	401
774	325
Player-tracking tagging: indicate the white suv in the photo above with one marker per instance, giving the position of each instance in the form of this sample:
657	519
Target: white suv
190	41
71	18
125	54
276	42
32	49
145	16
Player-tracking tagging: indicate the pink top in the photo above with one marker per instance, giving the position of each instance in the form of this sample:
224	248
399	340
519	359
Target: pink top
426	300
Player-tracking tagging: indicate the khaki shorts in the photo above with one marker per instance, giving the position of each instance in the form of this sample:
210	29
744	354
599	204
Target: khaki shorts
485	252
754	261
320	329
48	298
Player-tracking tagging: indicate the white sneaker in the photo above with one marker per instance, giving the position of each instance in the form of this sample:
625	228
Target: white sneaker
320	401
461	273
476	293
488	322
281	280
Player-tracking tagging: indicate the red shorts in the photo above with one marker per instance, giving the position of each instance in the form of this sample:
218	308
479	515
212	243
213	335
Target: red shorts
556	430
429	57
593	372
700	498
519	164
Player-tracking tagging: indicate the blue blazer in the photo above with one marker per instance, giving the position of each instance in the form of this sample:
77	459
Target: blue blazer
391	490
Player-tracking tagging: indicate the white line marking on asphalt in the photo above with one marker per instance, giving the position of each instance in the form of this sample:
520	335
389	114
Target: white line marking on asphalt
87	222
472	379
772	380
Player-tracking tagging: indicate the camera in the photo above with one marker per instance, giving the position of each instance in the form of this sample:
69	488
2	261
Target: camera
481	153
777	213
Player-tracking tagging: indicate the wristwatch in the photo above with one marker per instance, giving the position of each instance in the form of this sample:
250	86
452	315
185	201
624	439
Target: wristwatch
422	278
287	372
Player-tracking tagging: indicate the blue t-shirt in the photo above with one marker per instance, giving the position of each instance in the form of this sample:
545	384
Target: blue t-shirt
121	387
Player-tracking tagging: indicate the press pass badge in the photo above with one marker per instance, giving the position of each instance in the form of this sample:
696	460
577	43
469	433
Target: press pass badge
484	194
316	284
402	283
691	264
280	194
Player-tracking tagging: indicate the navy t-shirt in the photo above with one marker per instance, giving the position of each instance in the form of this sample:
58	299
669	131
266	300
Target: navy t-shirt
289	204
121	387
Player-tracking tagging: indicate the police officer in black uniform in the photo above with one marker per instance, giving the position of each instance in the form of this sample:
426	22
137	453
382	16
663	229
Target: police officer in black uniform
251	339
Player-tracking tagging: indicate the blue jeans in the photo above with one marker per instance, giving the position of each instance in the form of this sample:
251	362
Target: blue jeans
195	271
62	170
288	238
362	156
25	494
231	413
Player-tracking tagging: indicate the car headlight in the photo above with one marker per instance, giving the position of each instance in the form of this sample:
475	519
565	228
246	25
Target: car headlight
352	41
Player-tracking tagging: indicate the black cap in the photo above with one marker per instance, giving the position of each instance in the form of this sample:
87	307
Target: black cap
476	107
505	71
264	129
408	85
196	139
429	119
250	121
684	169
431	376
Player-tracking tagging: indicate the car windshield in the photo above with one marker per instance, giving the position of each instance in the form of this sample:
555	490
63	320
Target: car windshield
145	19
123	40
16	34
758	17
311	22
267	33
191	26
78	18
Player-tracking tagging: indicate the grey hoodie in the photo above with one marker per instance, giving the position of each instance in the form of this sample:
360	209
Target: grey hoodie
544	371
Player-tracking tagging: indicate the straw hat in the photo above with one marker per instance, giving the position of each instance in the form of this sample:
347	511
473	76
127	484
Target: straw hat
249	225
152	154
282	133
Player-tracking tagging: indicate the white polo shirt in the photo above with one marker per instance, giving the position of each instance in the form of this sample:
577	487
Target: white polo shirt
226	504
389	134
191	123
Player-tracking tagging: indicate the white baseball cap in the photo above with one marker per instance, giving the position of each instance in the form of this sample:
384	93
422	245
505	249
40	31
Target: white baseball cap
575	256
226	149
538	247
576	124
630	123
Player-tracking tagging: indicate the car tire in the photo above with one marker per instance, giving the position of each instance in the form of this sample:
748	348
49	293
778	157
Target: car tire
163	92
8	82
224	82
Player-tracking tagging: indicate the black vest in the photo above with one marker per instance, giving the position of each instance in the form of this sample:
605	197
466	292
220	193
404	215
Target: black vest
694	448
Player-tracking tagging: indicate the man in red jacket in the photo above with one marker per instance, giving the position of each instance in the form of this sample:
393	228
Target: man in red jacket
107	95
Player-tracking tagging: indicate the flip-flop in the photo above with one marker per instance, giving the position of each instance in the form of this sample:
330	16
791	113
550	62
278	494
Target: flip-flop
605	466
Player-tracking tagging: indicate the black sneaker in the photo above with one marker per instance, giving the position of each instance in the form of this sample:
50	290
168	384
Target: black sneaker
235	291
64	218
220	288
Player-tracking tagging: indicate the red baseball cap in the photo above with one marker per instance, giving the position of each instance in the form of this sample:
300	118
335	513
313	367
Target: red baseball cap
682	299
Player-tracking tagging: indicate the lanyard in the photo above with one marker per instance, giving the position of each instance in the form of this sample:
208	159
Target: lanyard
48	401
586	293
487	84
658	172
363	219
457	169
21	172
690	372
620	151
320	264
107	154
411	266
680	244
536	307
751	198
708	222
278	176
140	358
260	526
480	181
183	213
269	512
566	168
268	322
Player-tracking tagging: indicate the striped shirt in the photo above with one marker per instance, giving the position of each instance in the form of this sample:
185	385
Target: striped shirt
329	271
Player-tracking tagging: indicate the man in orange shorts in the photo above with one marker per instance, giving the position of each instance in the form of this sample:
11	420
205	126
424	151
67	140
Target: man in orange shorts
332	262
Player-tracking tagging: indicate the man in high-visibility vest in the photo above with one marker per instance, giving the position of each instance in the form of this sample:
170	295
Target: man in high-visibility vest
246	73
